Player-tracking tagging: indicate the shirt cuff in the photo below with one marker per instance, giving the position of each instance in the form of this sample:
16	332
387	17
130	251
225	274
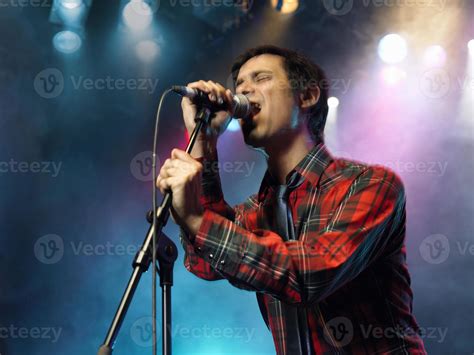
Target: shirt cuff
220	243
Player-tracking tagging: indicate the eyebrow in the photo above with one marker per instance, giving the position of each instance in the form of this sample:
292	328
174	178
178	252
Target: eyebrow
253	74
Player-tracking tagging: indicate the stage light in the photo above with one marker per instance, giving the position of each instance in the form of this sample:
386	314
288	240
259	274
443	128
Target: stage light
147	50
137	15
285	6
392	75
71	4
392	48
435	56
470	45
333	102
67	42
233	126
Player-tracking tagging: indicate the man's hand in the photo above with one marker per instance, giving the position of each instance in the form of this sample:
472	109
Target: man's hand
207	138
182	175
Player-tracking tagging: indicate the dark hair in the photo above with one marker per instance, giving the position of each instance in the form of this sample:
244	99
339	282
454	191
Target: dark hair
302	74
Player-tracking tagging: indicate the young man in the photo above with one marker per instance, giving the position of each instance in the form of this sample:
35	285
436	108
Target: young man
322	242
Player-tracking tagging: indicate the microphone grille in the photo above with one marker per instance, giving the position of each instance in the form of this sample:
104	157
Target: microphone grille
242	108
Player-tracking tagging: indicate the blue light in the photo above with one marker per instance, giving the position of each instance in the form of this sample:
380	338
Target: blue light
233	126
137	15
71	4
67	42
147	50
71	13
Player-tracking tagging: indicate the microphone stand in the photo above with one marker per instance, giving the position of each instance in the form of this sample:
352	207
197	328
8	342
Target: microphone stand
166	253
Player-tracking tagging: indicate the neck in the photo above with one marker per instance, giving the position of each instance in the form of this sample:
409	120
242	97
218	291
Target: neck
282	158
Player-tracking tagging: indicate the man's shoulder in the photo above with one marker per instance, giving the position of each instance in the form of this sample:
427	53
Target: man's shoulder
351	170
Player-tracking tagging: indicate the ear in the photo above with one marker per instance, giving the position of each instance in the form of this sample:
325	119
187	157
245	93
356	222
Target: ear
309	97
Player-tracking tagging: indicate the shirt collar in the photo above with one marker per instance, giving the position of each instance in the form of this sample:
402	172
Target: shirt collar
311	167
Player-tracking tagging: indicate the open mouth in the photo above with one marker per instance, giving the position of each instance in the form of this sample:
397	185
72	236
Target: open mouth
256	108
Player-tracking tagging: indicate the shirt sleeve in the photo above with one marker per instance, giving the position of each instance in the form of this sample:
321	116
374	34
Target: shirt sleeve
370	215
212	199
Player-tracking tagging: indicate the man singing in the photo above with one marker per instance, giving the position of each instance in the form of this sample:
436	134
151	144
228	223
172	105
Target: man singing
322	242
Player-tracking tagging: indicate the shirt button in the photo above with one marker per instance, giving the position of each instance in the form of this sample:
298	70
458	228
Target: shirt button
211	256
222	262
198	248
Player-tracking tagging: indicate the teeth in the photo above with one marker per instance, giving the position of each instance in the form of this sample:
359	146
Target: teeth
256	106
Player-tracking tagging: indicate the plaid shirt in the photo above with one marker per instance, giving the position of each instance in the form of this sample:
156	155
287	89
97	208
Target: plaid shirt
347	266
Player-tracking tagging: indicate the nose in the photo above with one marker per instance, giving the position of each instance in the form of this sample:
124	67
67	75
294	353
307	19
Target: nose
245	88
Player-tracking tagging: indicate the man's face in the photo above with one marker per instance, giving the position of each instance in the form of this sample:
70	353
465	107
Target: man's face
275	112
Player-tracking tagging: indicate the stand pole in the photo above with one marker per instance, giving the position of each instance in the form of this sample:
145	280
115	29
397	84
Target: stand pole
166	253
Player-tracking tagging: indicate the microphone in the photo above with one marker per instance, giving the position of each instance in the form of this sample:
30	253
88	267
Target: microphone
241	107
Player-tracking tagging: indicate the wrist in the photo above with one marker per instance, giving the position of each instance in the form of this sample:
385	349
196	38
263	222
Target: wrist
193	224
205	148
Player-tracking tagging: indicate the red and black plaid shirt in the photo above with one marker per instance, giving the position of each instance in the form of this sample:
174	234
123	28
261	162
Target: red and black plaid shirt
347	266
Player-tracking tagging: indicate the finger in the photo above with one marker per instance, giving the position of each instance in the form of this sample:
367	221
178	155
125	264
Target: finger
183	156
229	97
163	185
217	91
164	168
201	85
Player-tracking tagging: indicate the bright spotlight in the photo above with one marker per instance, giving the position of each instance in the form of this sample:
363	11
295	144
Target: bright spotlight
435	56
233	126
333	102
470	45
71	4
137	15
392	75
67	42
285	6
147	50
392	49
